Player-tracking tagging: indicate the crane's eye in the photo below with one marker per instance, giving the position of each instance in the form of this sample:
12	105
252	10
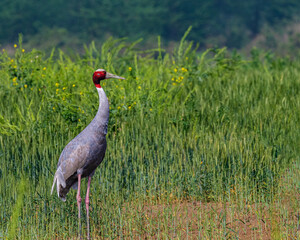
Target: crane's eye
98	76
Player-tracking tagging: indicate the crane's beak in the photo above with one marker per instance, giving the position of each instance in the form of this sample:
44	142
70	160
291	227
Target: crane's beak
110	75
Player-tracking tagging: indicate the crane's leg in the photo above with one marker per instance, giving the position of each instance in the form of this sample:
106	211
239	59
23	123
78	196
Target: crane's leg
87	202
78	204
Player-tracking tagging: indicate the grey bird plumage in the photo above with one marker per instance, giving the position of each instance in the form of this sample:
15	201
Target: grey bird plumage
85	152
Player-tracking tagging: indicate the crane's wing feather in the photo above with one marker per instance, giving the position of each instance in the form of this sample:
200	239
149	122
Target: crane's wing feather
73	158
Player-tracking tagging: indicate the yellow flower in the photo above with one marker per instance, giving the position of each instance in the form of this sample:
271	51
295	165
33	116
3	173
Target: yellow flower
15	66
73	85
174	84
172	79
130	68
82	111
134	103
150	109
12	60
81	93
23	50
64	88
15	45
63	98
129	107
25	86
44	68
175	69
56	84
119	107
53	108
14	79
79	120
184	69
139	87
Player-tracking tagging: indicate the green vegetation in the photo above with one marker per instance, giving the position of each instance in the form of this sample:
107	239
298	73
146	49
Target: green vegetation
209	128
69	24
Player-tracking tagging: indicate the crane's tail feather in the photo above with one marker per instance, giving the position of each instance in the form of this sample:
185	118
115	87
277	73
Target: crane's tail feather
54	181
59	181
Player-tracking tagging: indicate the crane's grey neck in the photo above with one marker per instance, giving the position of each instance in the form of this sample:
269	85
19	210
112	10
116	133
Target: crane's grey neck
102	116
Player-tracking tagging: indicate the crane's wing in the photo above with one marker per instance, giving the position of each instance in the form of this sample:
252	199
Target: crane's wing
72	160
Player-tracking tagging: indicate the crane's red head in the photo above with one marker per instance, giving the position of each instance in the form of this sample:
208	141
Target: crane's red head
101	74
98	76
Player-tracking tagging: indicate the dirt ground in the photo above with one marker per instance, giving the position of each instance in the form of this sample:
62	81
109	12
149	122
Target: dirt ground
197	220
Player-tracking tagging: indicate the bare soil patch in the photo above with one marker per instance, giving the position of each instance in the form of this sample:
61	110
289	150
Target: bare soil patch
206	220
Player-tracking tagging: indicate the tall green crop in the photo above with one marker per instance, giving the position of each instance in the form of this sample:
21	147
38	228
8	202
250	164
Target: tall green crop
183	126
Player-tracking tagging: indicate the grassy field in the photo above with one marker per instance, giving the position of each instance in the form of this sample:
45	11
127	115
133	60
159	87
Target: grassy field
200	145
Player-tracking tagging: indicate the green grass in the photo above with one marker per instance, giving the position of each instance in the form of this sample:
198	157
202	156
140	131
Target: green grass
185	127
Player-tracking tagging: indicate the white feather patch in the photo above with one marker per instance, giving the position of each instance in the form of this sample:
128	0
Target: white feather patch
59	180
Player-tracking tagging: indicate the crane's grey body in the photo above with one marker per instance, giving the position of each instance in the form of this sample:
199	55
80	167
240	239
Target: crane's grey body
85	152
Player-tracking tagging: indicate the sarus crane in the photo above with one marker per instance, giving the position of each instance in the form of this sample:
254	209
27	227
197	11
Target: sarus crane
85	152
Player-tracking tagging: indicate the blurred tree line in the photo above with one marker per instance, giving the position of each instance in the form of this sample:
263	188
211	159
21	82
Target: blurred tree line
215	22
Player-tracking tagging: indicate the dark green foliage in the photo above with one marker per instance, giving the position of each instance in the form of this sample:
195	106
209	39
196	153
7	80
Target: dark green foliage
70	23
